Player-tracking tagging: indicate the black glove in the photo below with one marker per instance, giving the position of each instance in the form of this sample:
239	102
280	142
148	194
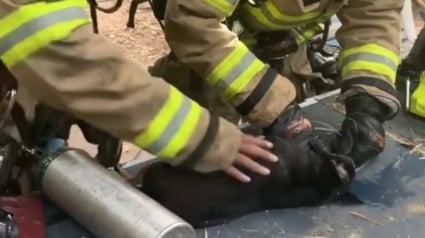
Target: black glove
362	134
291	125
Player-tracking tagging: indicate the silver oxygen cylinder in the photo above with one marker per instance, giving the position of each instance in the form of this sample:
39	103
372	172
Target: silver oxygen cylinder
102	201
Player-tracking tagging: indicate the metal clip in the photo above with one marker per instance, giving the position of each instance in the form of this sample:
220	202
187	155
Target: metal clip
407	97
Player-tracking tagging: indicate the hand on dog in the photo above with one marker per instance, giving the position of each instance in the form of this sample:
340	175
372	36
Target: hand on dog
251	147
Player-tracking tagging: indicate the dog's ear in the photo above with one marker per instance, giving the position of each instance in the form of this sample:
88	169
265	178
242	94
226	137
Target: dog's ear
347	163
343	165
345	172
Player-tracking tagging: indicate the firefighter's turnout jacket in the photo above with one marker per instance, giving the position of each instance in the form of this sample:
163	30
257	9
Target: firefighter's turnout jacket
369	36
51	50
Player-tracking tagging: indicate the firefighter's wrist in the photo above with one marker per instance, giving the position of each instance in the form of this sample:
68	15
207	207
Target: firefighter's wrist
367	104
218	148
380	97
273	93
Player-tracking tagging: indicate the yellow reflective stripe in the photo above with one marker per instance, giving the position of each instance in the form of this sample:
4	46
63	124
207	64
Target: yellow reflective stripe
224	6
225	66
299	38
34	26
278	15
372	48
307	33
268	15
240	83
235	71
172	127
370	57
28	12
312	30
417	103
373	67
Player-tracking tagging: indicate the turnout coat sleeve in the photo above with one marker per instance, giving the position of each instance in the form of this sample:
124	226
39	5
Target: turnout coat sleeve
370	37
197	36
58	58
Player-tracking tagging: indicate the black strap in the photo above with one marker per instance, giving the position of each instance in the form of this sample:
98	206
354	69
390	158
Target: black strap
368	81
7	78
205	144
11	155
8	185
17	113
196	83
258	93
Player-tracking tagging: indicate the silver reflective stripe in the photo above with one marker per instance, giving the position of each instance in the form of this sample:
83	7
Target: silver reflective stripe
237	70
369	57
172	127
30	28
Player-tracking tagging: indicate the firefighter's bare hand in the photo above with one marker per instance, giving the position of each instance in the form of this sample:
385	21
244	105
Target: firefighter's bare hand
251	148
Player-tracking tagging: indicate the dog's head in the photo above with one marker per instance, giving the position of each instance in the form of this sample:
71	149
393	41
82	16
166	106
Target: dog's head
307	174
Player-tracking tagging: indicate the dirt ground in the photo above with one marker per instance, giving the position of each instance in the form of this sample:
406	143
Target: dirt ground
145	43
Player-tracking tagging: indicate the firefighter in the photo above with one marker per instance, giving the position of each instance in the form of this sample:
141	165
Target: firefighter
49	48
369	37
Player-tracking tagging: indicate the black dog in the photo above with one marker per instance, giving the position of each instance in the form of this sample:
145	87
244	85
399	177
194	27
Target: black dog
302	177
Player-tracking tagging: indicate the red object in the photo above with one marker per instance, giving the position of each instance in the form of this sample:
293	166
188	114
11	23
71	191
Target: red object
27	213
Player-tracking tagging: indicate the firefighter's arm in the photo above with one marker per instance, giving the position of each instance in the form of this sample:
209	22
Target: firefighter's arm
196	35
370	38
89	77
